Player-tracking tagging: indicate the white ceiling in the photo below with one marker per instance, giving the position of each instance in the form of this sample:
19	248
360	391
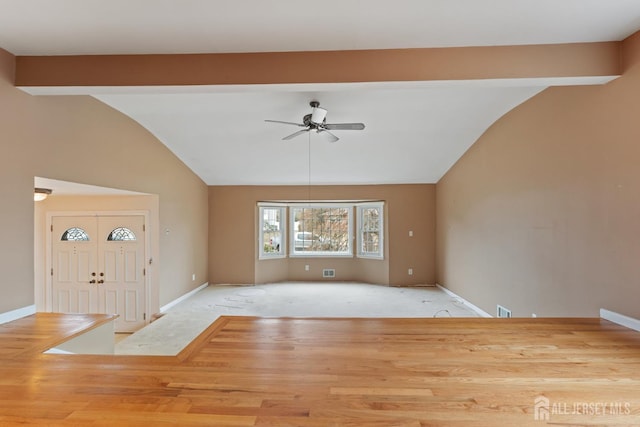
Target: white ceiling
65	27
414	131
412	135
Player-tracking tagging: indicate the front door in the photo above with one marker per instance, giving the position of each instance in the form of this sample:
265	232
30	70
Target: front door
74	264
98	267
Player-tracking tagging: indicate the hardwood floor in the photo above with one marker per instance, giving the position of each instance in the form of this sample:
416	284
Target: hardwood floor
31	335
247	371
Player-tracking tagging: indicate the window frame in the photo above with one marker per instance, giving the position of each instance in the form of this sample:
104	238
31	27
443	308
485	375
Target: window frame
360	209
348	253
282	253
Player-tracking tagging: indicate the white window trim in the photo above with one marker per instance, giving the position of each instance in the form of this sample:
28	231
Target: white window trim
283	232
304	254
360	207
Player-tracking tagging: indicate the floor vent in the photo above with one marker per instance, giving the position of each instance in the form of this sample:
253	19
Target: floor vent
328	273
503	312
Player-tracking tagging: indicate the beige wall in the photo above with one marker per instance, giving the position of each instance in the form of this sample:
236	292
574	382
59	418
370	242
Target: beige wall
233	253
79	139
542	214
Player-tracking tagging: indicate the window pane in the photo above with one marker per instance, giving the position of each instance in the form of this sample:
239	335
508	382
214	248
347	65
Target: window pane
371	218
75	234
370	229
321	230
272	236
121	234
371	242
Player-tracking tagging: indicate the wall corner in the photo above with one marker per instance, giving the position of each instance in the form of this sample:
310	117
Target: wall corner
7	66
630	51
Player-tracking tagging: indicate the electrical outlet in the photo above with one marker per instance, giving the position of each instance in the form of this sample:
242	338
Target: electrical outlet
193	277
410	233
306	267
410	272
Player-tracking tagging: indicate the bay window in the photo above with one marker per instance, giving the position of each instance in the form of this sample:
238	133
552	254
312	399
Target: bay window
321	229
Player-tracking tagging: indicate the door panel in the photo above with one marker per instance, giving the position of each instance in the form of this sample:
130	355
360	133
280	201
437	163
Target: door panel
85	265
122	262
86	301
104	273
74	261
63	272
131	266
63	301
109	266
111	302
130	303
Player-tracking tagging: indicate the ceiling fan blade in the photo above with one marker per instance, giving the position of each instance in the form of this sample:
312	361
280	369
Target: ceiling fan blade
344	126
293	135
285	123
328	135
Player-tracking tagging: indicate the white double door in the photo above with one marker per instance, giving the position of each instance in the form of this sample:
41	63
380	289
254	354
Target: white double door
98	266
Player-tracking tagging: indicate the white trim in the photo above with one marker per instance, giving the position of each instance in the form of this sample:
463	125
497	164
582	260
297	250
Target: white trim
272	204
282	253
360	207
178	300
310	254
475	308
620	319
293	253
17	314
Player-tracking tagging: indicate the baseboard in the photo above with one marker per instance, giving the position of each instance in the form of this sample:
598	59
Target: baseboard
620	319
17	314
183	297
478	310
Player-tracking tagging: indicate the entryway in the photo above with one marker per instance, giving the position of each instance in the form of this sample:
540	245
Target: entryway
97	265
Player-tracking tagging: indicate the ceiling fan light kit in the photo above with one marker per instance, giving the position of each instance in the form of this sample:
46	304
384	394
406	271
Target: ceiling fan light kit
318	115
317	121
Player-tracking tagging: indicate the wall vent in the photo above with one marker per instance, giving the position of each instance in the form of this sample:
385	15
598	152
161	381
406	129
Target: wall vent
328	273
503	311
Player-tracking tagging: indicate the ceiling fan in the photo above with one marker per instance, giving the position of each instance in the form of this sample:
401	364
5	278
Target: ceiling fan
317	121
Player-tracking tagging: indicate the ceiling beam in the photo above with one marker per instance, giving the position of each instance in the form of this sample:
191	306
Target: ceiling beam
389	65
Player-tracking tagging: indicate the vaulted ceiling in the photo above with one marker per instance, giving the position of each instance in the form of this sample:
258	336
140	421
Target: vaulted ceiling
395	66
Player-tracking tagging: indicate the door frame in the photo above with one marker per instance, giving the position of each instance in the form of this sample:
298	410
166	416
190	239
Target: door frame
148	260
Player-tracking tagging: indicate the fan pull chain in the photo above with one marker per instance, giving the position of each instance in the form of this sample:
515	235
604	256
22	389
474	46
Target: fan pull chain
309	186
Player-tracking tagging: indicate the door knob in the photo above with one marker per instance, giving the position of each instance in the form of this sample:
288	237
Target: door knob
92	281
100	281
93	274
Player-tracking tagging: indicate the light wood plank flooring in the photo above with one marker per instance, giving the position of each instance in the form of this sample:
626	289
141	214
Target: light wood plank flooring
247	371
31	335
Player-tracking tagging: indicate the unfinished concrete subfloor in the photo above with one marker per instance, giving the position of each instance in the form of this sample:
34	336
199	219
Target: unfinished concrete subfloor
185	321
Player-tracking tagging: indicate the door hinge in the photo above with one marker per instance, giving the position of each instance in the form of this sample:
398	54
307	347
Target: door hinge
144	316
144	271
144	227
52	271
52	228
